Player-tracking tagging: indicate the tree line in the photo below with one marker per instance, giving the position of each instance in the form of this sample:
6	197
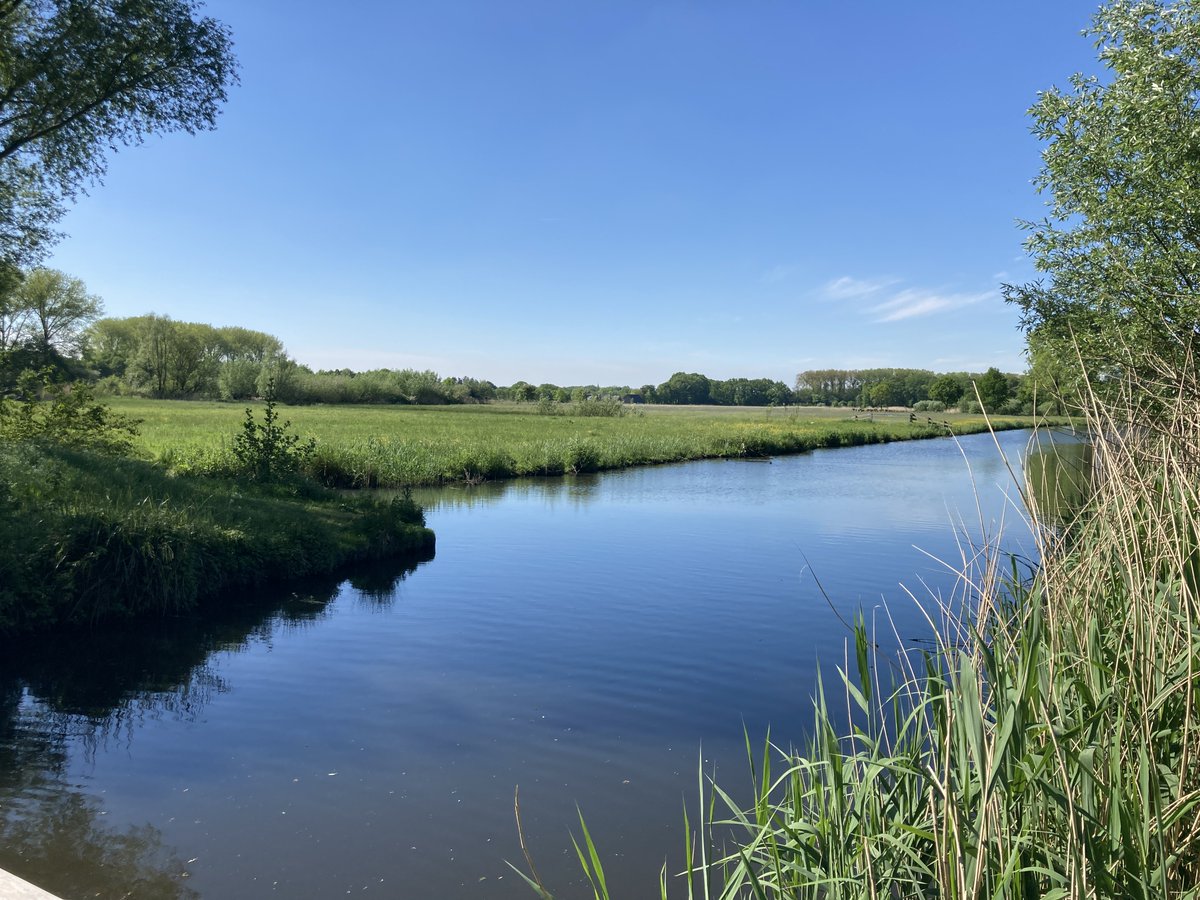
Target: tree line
49	321
993	389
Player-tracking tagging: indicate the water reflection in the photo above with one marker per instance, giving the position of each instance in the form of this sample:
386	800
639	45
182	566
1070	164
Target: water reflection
1060	475
55	836
77	694
556	490
581	637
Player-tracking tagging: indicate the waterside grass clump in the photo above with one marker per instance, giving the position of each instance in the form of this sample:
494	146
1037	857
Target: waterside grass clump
85	537
1047	748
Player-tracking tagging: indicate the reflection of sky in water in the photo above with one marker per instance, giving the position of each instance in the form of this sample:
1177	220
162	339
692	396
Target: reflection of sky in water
582	638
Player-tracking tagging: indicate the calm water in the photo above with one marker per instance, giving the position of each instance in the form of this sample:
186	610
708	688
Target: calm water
588	639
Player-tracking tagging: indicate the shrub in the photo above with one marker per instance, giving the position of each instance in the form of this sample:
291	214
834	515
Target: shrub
580	456
238	379
594	406
929	406
547	406
265	450
67	415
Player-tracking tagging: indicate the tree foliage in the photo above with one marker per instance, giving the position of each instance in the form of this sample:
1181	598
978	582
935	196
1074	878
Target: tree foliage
58	309
65	415
78	77
165	358
945	389
43	317
993	389
1120	245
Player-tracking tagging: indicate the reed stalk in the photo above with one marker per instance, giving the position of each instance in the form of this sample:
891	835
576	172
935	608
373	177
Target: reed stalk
1047	747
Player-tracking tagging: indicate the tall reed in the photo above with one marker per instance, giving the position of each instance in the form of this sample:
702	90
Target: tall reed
1047	747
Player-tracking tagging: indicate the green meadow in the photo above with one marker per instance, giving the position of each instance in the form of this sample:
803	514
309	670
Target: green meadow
395	446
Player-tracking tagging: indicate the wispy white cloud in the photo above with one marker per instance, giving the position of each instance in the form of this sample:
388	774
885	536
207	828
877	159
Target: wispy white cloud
912	302
847	288
885	300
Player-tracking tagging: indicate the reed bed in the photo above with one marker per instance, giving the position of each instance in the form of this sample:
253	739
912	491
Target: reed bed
382	446
1046	748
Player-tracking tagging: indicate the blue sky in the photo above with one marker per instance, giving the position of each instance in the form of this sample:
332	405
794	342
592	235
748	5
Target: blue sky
599	192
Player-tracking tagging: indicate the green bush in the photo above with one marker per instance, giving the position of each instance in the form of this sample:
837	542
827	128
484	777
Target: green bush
579	456
548	406
66	415
265	450
927	406
594	406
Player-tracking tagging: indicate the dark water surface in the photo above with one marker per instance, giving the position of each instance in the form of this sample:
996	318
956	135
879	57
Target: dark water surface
586	638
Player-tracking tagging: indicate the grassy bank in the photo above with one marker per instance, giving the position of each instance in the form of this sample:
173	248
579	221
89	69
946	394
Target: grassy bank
380	446
86	537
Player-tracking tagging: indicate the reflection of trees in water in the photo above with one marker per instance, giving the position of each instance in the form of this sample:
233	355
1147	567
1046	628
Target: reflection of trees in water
378	582
105	678
575	490
79	691
1060	477
54	835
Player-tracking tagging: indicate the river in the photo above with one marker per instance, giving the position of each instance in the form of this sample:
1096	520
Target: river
592	640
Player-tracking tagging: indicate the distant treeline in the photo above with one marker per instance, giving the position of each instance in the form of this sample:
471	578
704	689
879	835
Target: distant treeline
908	387
680	388
157	356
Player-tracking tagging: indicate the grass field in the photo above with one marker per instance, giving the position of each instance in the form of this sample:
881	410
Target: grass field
393	446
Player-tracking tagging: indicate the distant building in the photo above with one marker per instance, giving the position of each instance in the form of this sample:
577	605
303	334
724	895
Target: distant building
632	398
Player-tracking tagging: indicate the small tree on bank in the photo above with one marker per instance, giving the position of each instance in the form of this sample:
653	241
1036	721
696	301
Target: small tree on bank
265	450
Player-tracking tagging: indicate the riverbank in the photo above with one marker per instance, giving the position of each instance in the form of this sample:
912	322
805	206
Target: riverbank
1044	745
86	537
393	447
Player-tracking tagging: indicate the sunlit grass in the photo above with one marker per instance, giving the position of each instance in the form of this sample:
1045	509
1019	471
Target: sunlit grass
384	446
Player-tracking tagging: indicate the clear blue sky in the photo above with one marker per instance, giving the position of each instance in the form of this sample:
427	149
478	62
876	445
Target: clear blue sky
600	192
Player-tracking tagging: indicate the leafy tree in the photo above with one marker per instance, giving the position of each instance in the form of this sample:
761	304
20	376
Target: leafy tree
993	389
1120	246
829	385
78	77
280	379
60	309
1055	382
110	345
152	363
945	389
238	379
13	314
522	392
245	343
684	387
881	393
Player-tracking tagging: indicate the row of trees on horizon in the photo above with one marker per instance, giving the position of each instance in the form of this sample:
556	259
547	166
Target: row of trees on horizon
48	320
